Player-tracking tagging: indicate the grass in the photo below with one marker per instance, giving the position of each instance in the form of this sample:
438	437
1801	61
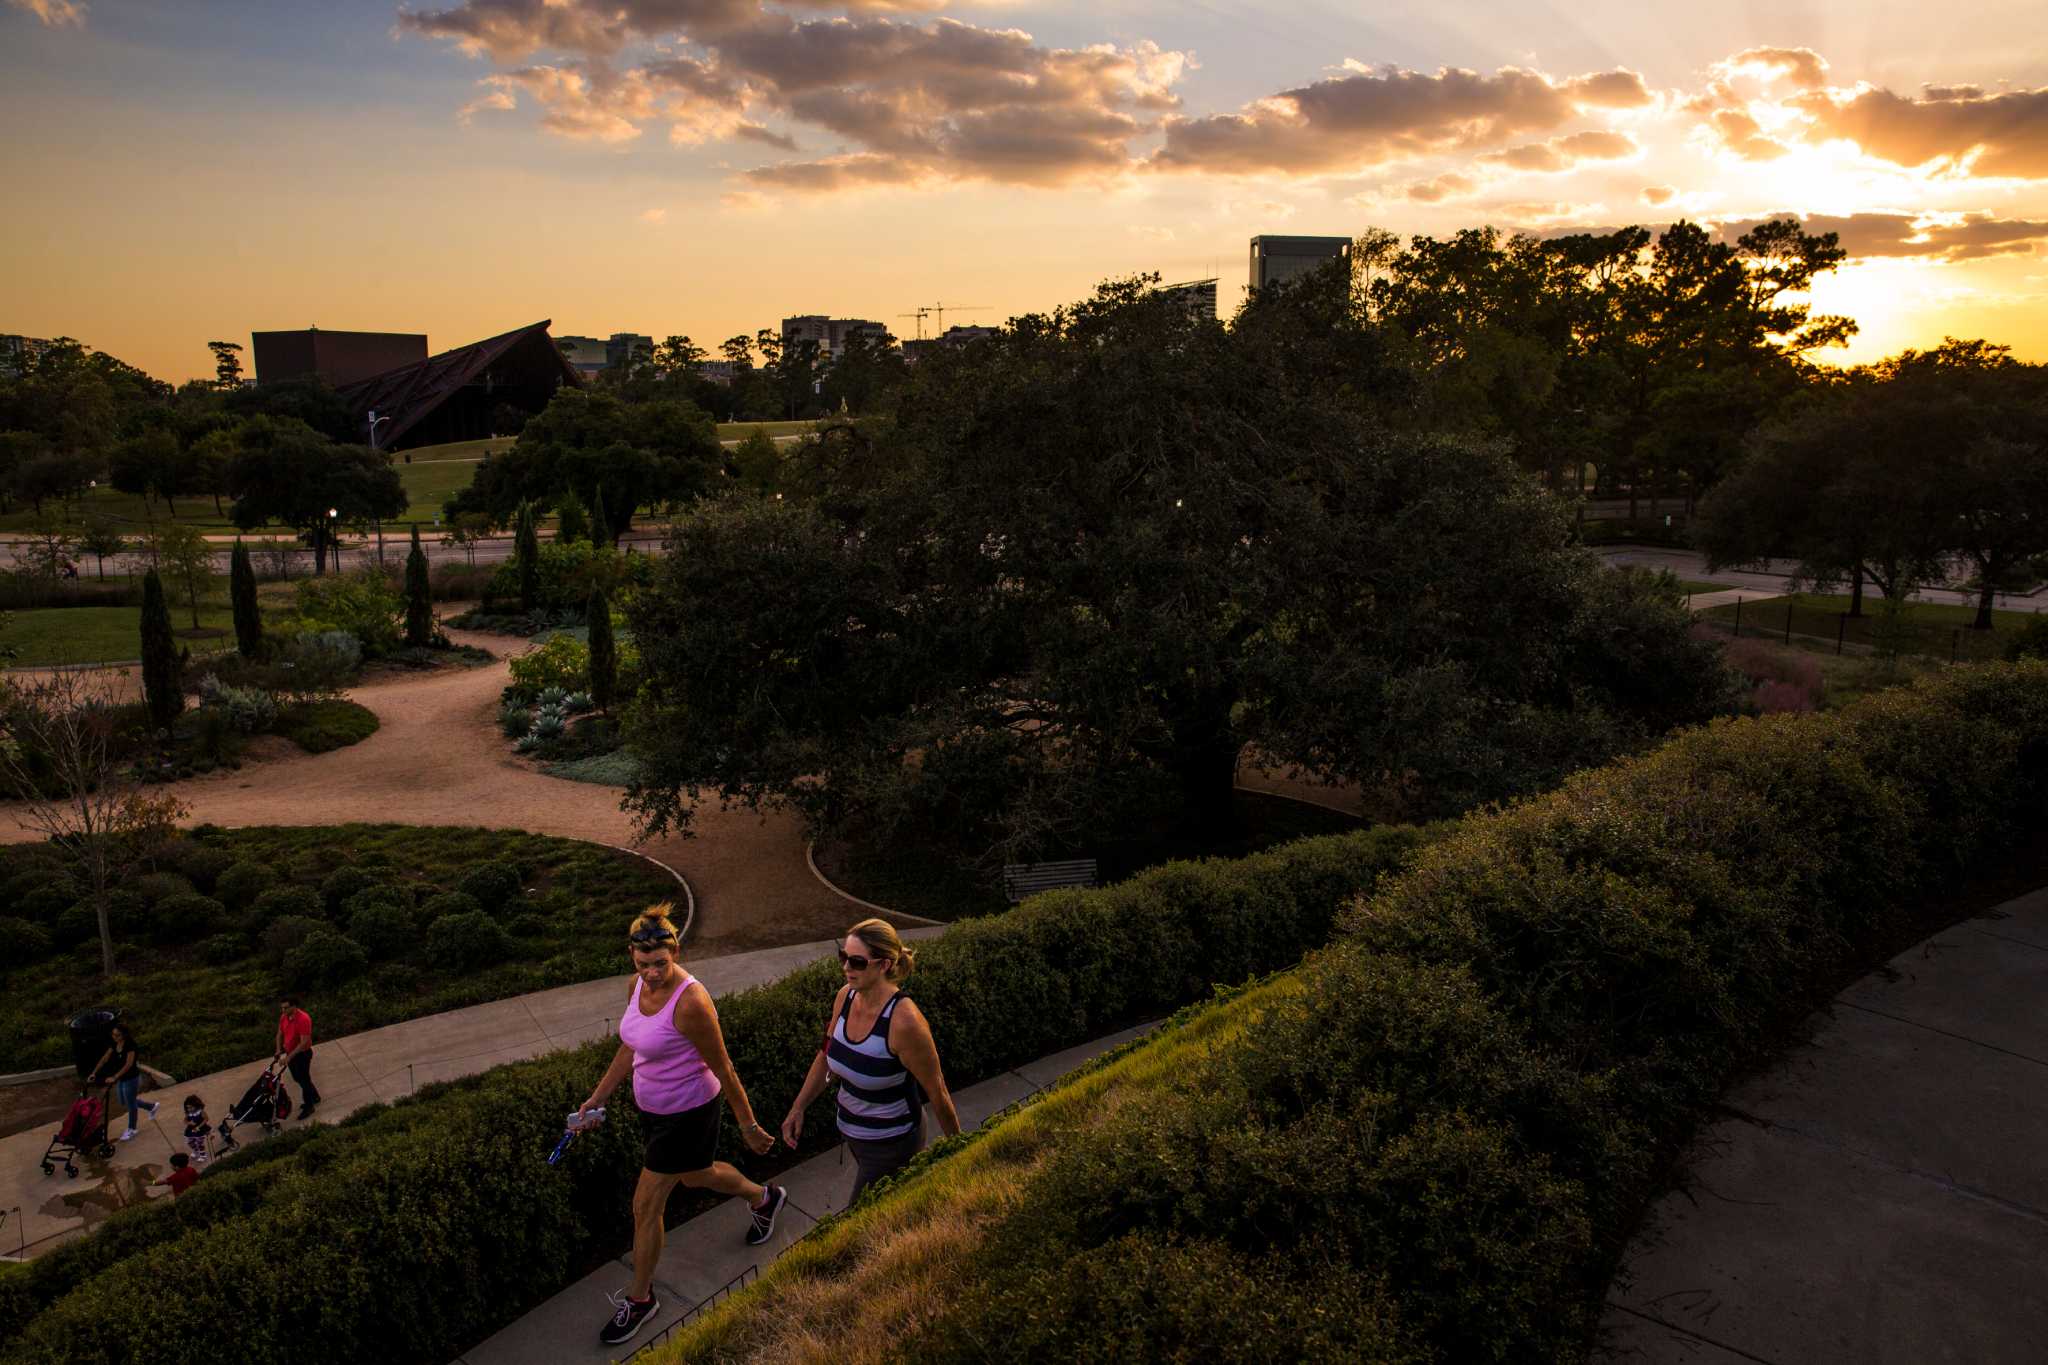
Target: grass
427	482
88	635
428	485
319	727
901	1256
922	881
739	431
195	1016
1700	585
1928	628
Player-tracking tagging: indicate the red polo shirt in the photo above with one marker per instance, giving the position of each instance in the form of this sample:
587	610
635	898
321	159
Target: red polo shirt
297	1027
181	1180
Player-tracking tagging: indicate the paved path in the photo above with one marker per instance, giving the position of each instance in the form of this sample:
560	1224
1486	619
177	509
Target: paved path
710	1250
379	1064
1880	1195
1751	584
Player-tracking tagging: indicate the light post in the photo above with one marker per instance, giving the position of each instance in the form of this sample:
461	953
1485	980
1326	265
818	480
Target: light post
375	422
333	545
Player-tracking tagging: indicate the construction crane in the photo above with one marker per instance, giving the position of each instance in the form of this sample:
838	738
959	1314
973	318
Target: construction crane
921	314
938	310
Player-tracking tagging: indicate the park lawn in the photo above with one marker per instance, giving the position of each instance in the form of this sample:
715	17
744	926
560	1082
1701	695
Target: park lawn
130	511
429	484
196	1015
457	450
1701	585
1930	628
739	431
92	635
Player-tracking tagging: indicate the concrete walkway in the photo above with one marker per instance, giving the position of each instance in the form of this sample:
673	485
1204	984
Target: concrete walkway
379	1064
1880	1195
710	1250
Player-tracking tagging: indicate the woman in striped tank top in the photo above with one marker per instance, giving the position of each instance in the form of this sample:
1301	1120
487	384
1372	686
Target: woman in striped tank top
880	1049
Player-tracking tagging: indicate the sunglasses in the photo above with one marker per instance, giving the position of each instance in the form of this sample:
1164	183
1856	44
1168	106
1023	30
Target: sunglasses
648	938
859	963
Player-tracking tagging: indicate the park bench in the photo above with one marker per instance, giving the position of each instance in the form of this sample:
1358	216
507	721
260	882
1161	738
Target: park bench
1028	879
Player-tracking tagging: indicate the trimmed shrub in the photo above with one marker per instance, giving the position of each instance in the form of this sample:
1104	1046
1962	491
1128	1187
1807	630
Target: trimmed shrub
186	919
344	882
321	726
286	935
26	942
240	885
493	884
158	886
447	903
562	662
224	950
282	902
382	925
203	865
325	957
47	901
472	940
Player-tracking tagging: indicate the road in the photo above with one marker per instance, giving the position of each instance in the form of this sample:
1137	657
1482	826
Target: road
1691	564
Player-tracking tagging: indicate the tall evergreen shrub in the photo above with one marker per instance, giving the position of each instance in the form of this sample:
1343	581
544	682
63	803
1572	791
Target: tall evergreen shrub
162	688
242	593
419	603
604	652
526	556
600	521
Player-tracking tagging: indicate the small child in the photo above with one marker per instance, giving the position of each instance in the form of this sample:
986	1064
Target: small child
181	1177
196	1129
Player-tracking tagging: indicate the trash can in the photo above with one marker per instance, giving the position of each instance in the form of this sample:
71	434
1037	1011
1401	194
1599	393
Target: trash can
92	1032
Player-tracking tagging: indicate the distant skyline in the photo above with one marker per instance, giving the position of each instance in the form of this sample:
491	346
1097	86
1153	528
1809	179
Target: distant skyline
182	171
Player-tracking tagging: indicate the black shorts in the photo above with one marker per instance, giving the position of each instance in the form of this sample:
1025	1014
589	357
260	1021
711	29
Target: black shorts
685	1141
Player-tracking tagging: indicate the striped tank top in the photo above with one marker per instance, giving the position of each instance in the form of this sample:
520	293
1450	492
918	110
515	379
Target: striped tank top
878	1099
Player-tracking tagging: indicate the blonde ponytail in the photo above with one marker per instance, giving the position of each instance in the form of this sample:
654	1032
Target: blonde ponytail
881	937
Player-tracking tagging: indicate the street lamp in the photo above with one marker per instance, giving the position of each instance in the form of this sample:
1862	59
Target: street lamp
375	421
332	544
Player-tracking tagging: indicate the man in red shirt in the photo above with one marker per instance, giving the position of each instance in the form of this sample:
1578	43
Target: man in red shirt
181	1177
295	1042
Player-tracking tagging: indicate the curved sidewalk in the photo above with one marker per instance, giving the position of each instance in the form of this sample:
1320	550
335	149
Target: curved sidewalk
1879	1195
378	1064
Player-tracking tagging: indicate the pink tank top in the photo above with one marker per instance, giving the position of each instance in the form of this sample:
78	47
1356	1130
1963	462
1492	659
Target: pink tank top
669	1074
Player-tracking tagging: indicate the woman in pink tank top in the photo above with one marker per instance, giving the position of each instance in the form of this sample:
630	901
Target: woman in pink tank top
669	1041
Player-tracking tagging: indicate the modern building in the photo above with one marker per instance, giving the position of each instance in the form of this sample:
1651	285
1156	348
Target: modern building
1276	260
621	347
831	334
914	351
457	395
1197	296
18	351
716	371
337	357
585	353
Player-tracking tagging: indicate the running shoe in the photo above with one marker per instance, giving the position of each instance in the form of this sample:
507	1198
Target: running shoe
129	1134
764	1215
151	1106
628	1315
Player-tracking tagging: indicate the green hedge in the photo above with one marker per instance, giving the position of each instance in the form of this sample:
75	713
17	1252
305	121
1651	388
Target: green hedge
449	1191
1452	1118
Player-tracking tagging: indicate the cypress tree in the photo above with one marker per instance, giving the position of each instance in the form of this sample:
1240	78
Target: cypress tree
526	558
419	602
242	591
572	519
600	524
604	652
162	688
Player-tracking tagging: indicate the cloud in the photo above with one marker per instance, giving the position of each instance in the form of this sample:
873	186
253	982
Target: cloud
1954	127
1449	185
860	170
54	13
509	30
1565	153
754	132
494	100
1743	135
1956	237
653	215
587	103
1365	119
1544	213
1654	195
1802	66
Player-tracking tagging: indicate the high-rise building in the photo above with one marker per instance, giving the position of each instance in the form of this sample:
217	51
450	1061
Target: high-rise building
830	334
1197	296
1278	259
586	354
16	352
337	357
621	347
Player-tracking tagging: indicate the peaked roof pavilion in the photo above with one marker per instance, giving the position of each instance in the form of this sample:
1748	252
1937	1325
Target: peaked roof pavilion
455	396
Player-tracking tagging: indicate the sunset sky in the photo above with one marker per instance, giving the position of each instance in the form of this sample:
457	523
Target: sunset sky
184	170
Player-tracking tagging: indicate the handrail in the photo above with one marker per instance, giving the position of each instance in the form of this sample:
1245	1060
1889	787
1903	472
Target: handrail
725	1290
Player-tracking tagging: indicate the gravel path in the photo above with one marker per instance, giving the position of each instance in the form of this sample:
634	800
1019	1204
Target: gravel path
438	759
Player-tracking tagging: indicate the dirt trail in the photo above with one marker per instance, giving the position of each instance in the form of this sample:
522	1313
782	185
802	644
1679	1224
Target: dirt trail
438	759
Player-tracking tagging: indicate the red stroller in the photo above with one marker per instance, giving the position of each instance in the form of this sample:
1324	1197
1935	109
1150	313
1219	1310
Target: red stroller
83	1133
264	1102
